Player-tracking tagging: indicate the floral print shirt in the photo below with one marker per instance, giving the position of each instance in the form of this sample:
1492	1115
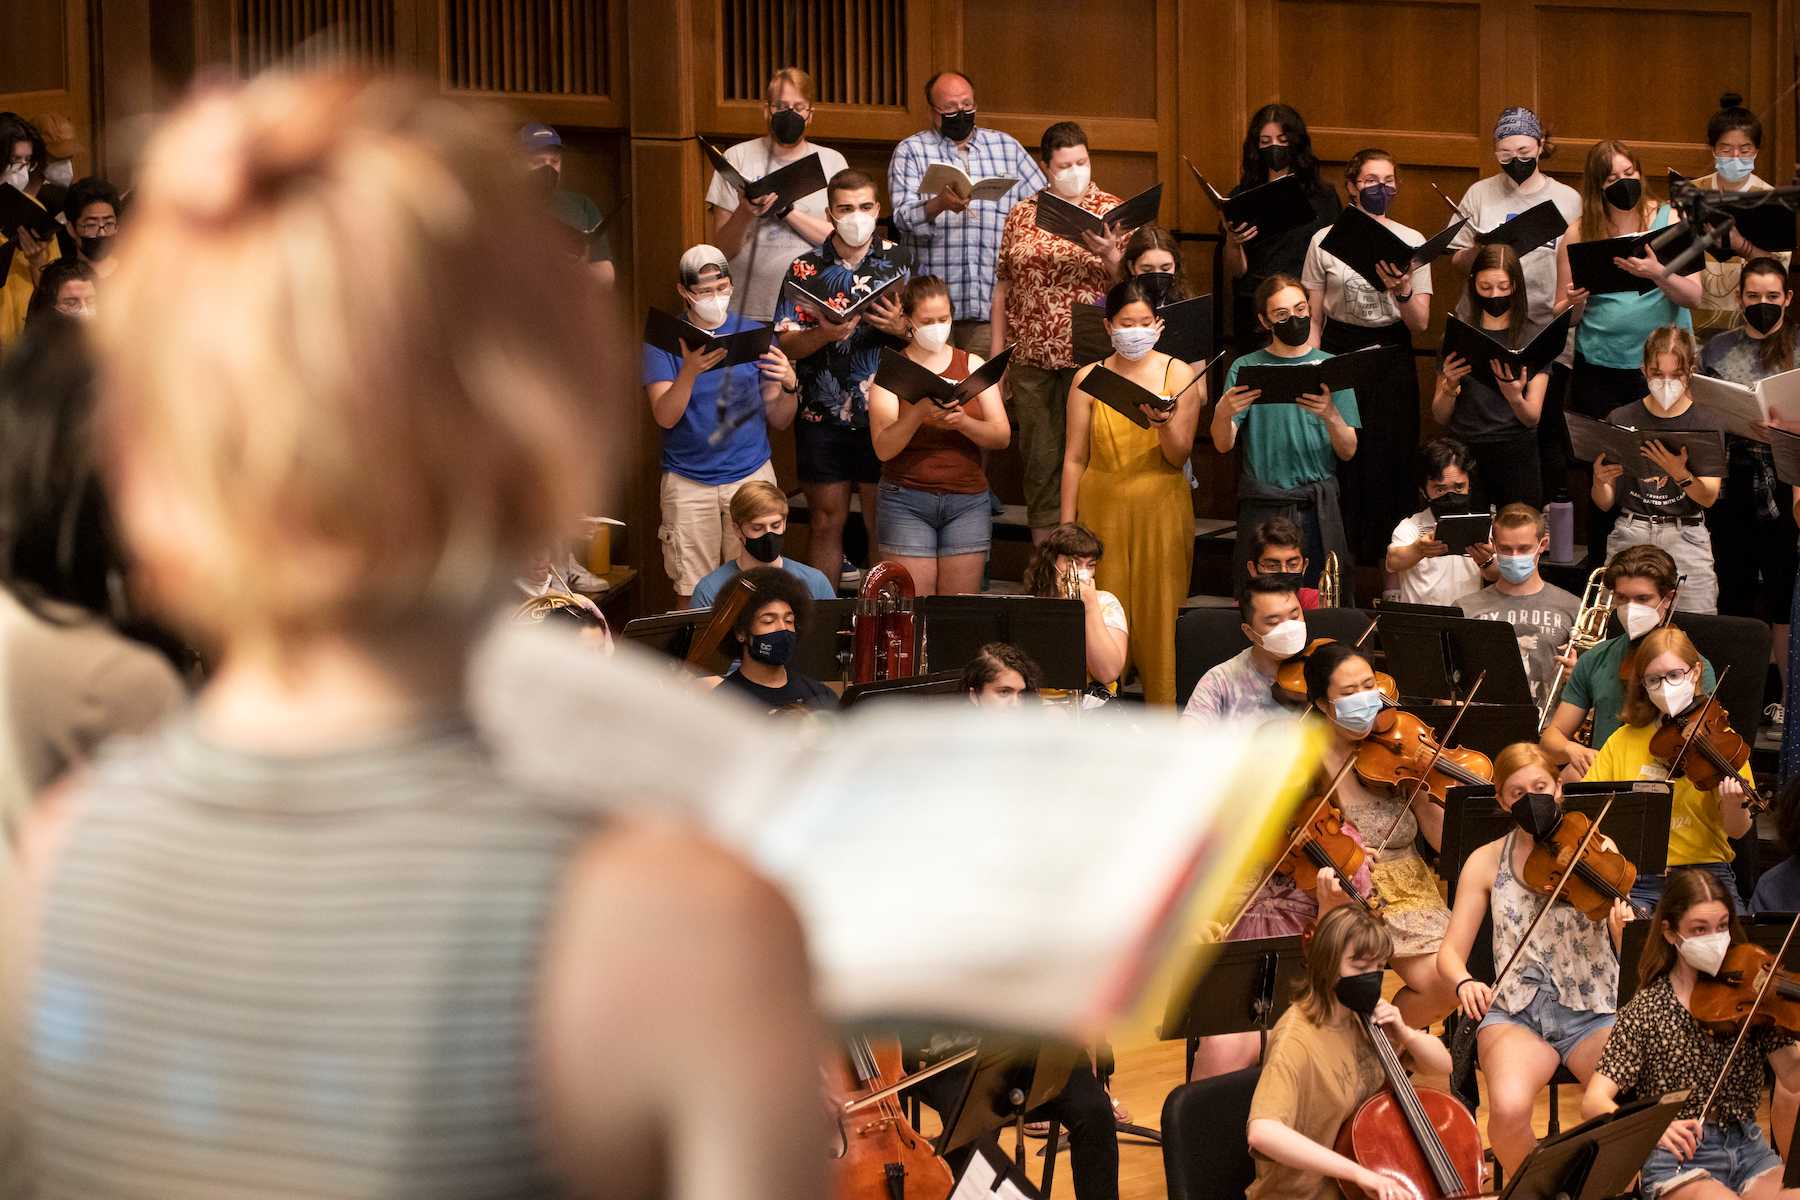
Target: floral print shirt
835	379
1044	275
1657	1047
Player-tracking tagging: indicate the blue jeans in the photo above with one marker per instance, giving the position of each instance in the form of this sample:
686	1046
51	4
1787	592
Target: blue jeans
1649	888
1734	1155
919	524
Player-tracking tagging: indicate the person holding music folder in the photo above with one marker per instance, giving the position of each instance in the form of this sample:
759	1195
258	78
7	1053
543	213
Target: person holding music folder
1735	135
760	240
1643	581
1540	613
1752	524
759	511
1038	277
1521	144
1496	420
1419	560
935	519
1665	509
953	235
542	147
767	632
1276	145
1000	676
837	361
1125	482
1556	1006
1070	554
1321	1066
1662	680
1657	1047
1288	466
715	423
1277	550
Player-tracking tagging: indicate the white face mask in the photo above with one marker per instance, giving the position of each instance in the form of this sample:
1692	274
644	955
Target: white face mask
1071	182
711	310
1135	341
1706	953
1638	619
1286	639
1666	393
933	337
60	172
18	176
1673	698
855	228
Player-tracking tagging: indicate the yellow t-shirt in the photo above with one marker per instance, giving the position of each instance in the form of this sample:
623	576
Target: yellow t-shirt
1696	834
15	291
1314	1079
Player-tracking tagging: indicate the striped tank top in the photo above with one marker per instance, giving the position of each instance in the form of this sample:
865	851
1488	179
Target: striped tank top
299	977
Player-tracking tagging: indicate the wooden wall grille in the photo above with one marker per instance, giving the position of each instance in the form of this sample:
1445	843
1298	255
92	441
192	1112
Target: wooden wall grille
529	47
855	50
314	33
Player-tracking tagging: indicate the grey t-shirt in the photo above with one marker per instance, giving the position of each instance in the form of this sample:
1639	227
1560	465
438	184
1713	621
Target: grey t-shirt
1541	621
1657	496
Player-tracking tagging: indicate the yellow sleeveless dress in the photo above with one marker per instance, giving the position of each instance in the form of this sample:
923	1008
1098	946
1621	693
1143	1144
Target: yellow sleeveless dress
1139	506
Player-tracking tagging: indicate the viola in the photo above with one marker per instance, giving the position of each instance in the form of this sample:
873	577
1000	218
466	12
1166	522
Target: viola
1596	877
1320	842
882	1155
1403	749
1726	1001
1423	1137
1702	745
1290	677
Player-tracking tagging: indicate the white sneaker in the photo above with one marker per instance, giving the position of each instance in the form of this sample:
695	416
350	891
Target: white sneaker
1776	715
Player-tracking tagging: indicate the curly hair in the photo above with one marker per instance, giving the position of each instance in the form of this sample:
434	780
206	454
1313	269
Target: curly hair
1073	540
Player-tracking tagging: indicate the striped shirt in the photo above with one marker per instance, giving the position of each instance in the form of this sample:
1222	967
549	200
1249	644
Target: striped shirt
962	248
300	977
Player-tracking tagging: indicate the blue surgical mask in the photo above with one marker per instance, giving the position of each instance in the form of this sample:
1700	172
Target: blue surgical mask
1135	341
1357	711
1734	170
1516	568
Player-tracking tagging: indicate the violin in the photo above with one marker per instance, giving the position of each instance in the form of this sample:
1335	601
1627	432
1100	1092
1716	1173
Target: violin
882	1155
1726	1001
1320	842
1290	677
1702	745
1423	1137
1596	877
1404	749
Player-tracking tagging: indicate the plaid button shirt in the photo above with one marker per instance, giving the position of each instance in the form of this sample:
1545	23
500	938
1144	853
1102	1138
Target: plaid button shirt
960	248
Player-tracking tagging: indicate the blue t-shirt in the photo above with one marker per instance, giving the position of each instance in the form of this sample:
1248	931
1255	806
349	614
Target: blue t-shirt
1615	325
685	448
1284	445
707	590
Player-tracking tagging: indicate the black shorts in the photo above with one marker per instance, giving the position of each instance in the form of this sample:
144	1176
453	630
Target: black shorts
834	454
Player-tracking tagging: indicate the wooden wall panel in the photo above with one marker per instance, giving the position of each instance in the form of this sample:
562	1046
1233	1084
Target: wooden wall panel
45	53
1090	56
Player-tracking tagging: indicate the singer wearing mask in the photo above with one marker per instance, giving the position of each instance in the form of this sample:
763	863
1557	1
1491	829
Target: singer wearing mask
1039	277
1125	482
1666	509
22	257
1348	313
92	211
1735	135
753	234
1276	144
1663	680
759	511
935	520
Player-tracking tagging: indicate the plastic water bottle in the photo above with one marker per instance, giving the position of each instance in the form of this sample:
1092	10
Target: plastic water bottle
1561	516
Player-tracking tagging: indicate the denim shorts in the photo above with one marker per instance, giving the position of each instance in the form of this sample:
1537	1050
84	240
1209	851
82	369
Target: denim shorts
1562	1028
1734	1155
916	524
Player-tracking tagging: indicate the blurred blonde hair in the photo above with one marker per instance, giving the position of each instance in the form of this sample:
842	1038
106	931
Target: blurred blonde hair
327	406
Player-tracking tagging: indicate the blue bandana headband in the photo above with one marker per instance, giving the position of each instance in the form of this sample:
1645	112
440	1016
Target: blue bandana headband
1516	121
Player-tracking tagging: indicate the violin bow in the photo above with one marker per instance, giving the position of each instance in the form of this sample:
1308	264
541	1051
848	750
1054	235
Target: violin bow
1437	752
1299	832
1768	980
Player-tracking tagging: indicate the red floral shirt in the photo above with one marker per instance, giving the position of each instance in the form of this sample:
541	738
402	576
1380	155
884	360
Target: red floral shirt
1044	275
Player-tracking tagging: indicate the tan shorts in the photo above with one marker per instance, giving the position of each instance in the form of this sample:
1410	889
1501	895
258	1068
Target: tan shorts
697	534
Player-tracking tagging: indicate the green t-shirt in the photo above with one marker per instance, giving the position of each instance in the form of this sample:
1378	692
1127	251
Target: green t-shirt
1595	685
579	213
1284	445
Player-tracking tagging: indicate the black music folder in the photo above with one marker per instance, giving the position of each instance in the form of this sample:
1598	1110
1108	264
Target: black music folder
912	382
840	308
1361	242
1065	220
1480	348
1462	530
17	209
1538	225
1123	396
796	181
1592	267
1285	384
1187	331
668	333
1273	208
1589	438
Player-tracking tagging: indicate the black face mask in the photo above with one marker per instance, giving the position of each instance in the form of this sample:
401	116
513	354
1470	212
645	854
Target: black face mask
544	180
1537	813
773	648
1158	285
96	248
1450	504
958	125
1494	306
764	547
1292	331
1765	318
1359	993
1276	158
1519	169
787	126
1624	194
1287	578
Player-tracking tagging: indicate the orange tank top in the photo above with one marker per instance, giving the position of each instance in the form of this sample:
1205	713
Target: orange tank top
939	460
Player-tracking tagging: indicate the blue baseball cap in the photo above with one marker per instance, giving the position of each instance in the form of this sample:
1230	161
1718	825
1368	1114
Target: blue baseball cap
538	136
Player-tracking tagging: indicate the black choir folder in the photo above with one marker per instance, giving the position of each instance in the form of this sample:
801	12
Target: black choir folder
1273	207
1766	223
1123	396
1286	383
17	209
669	333
1591	263
1480	349
840	308
1538	225
1065	220
912	382
796	181
1187	331
1362	242
1621	444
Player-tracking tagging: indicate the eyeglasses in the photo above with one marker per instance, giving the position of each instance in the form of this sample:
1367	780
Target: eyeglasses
74	307
1740	152
1662	681
708	293
1501	157
961	108
801	107
97	227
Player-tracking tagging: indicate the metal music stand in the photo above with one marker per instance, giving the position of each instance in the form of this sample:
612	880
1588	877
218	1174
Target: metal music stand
671	633
1597	1158
823	652
1051	630
1764	929
1011	1076
1003	1169
1439	658
1247	986
907	687
1638	823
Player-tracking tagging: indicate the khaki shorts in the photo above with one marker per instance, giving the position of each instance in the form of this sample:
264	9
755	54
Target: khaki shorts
697	534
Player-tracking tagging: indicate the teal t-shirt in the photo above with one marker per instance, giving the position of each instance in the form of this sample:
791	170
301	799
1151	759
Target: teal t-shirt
1615	325
1284	445
1595	685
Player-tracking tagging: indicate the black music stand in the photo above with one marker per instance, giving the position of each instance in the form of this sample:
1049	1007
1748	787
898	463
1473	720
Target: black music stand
1765	929
1489	728
1011	1076
823	652
907	687
1051	630
1638	823
1247	986
1439	658
671	633
1386	607
1002	1168
1597	1158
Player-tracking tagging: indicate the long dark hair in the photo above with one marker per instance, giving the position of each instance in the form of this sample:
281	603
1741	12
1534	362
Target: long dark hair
1074	540
1302	161
1499	257
1775	353
1684	888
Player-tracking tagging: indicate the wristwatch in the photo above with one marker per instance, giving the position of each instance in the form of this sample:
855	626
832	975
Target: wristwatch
792	391
1685	484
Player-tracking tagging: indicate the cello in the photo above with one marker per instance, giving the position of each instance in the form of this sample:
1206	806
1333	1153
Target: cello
881	1156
